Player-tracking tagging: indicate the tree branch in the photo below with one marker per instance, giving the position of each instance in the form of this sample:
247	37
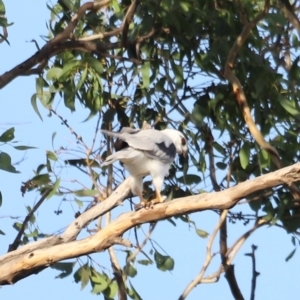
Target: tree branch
241	97
50	48
15	244
209	257
254	272
289	13
16	265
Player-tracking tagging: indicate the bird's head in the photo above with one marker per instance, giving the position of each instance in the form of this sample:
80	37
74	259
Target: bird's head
178	139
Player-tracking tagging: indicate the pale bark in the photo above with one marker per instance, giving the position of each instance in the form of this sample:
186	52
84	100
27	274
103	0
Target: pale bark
36	256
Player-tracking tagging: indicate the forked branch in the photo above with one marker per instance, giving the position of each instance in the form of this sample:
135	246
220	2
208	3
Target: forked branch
18	264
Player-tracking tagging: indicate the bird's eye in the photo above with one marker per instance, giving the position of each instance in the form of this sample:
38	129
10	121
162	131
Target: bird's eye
183	141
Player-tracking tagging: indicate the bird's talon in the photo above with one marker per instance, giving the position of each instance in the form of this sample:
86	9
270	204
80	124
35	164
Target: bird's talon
142	204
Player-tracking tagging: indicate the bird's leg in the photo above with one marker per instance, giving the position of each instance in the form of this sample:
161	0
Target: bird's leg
143	202
137	189
158	198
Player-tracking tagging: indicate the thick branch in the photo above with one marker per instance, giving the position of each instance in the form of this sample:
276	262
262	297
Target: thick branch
15	265
50	48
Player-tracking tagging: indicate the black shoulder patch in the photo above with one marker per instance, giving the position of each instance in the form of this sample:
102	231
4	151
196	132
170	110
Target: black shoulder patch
119	145
170	151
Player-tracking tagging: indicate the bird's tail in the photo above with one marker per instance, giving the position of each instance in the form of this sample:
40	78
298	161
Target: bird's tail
124	155
120	135
111	133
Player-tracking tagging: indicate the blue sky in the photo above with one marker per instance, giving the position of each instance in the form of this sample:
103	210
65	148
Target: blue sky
278	279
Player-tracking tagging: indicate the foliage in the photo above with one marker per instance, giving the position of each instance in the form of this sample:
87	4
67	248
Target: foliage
169	63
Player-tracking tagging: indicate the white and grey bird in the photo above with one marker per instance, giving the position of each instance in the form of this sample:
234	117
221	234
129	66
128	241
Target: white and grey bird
147	152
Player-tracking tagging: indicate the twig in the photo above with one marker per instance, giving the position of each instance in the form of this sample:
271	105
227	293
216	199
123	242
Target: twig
207	261
65	122
112	255
233	250
15	244
254	272
140	247
89	151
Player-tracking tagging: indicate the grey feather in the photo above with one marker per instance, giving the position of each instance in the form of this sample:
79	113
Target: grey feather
153	143
124	155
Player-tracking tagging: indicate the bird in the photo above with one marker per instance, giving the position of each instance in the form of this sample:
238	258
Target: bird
146	152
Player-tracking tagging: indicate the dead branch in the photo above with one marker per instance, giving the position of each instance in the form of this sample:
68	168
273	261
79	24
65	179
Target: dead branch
254	272
19	264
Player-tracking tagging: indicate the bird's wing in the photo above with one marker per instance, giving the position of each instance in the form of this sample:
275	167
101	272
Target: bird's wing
153	143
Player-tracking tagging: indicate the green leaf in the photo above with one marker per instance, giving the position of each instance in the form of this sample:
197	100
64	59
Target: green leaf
170	220
41	179
130	270
99	283
1	232
54	189
244	155
81	80
289	107
18	226
163	262
5	163
50	155
111	290
69	67
4	23
0	199
86	193
78	202
144	262
8	135
197	115
178	71
65	267
290	255
221	165
22	148
95	64
54	73
33	233
34	105
133	294
145	70
189	179
2	8
69	97
83	275
201	233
